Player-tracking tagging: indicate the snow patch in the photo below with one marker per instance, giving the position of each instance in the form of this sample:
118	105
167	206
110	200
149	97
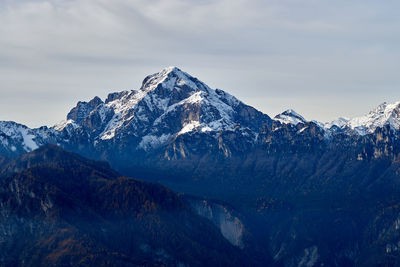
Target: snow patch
189	127
151	141
302	129
29	144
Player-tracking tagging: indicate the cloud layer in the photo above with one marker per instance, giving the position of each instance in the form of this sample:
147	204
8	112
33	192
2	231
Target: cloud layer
322	58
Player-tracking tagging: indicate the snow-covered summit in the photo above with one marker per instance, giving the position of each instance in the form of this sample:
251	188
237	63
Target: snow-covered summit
290	117
384	114
168	104
166	93
168	78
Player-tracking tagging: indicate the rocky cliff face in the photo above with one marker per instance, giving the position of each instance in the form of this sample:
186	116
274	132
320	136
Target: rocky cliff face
230	225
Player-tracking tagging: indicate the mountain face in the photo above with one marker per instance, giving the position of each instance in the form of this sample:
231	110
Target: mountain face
169	104
17	138
286	191
60	209
384	114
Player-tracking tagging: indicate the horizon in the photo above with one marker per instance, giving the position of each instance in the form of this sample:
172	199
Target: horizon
315	58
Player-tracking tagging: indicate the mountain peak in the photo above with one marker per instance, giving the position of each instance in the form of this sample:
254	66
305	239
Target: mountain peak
384	114
83	109
171	69
169	78
168	104
290	117
386	108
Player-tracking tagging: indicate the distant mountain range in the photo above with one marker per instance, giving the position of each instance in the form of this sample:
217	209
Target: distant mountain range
170	104
384	114
286	191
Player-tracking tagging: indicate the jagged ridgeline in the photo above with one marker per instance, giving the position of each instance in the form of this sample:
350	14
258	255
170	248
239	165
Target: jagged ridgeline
293	191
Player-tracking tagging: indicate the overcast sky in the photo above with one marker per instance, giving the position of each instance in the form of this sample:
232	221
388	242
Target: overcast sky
322	58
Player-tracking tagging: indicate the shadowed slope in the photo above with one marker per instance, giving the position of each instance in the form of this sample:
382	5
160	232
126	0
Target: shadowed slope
58	208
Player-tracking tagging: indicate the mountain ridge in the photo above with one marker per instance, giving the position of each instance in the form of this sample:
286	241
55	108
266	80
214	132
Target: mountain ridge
148	114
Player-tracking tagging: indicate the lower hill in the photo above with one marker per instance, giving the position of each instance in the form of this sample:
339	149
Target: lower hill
60	209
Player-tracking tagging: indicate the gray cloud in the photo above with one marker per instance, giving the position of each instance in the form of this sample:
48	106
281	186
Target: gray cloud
323	58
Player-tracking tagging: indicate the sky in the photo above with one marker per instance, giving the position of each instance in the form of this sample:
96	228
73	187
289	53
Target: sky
322	58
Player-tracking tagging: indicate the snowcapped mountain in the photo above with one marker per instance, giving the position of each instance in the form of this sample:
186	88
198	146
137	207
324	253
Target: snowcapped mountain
290	117
172	106
384	114
18	138
169	103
